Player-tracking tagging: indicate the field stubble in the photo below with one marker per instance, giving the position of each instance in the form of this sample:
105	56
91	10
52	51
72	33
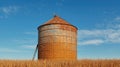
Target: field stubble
60	63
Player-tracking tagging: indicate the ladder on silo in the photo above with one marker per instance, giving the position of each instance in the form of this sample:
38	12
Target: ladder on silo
35	52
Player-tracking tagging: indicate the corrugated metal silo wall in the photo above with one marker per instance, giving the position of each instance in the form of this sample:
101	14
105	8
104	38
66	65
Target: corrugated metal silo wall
57	41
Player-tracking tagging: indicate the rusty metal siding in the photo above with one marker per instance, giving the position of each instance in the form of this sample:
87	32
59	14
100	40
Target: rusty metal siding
57	41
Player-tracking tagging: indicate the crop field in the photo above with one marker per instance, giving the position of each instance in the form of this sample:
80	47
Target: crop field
60	63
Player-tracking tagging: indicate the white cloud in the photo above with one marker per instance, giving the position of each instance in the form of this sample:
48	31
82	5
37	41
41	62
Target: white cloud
29	46
117	18
31	33
98	36
114	37
89	33
8	50
8	10
24	41
92	42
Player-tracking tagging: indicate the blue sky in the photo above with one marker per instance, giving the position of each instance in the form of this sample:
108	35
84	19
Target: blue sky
98	22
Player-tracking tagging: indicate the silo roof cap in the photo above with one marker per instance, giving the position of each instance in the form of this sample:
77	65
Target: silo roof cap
57	20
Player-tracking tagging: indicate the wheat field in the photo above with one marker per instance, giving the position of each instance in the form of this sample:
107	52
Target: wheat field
60	63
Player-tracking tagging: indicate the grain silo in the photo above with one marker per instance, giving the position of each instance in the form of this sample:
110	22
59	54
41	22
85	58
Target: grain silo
57	40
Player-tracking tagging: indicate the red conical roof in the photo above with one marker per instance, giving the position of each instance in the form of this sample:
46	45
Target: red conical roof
57	20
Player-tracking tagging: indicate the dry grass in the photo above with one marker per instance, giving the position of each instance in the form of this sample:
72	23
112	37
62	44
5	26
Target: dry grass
48	63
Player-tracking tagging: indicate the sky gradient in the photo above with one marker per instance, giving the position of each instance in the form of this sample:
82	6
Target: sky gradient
98	22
